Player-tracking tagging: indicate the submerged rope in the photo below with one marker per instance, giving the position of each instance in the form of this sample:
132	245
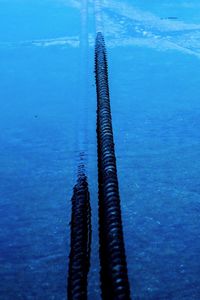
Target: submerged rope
114	277
79	258
81	138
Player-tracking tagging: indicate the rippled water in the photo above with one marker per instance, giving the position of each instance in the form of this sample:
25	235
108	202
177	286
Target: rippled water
153	54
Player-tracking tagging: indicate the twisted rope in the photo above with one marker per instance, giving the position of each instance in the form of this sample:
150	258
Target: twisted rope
114	277
79	258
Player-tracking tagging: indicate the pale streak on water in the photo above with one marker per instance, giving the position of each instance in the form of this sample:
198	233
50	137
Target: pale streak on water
98	16
125	25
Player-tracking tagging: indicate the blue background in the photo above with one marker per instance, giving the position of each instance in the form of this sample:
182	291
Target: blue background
48	114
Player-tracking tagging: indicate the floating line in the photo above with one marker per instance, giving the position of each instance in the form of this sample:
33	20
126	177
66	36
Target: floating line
79	258
114	275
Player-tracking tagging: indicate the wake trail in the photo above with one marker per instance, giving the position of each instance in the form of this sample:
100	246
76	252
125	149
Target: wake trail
98	16
81	142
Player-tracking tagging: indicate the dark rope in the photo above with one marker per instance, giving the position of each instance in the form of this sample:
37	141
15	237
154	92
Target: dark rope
114	277
79	258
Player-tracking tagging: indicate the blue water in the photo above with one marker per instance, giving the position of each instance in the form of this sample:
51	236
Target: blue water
45	121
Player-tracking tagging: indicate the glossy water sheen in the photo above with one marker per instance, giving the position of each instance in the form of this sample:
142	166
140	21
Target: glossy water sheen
48	115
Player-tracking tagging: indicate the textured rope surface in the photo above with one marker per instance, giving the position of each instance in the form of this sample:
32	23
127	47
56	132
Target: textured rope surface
79	259
114	278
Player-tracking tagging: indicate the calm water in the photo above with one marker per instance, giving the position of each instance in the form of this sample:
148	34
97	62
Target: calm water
48	115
